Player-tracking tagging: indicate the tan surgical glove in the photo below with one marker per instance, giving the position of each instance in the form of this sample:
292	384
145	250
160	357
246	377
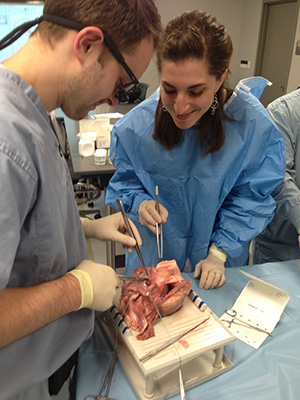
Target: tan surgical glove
98	284
211	270
87	226
111	227
148	215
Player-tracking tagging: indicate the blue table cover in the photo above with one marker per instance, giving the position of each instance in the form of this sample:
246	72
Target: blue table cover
271	372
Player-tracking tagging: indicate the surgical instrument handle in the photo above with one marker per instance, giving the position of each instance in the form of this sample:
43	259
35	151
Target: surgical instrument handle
131	278
157	201
130	231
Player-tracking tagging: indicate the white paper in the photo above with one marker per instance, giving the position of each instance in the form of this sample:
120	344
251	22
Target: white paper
260	305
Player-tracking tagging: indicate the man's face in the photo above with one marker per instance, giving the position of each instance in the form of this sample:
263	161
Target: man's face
97	83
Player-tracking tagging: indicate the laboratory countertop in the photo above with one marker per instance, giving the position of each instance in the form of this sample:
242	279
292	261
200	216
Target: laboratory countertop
271	372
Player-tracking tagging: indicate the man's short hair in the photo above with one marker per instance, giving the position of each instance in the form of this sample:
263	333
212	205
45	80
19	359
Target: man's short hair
127	22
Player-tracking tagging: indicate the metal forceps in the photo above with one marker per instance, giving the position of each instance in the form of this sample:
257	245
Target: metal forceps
232	313
131	278
171	341
158	227
106	382
130	231
181	385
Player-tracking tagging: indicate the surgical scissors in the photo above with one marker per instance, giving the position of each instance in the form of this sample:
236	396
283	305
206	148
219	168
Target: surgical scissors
106	382
158	228
232	313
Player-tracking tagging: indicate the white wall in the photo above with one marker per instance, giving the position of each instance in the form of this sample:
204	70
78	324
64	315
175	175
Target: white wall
221	9
249	36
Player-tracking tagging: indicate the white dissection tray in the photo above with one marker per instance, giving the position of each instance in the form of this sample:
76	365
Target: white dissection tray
199	353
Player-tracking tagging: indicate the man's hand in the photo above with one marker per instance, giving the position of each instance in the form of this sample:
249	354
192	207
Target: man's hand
97	283
111	228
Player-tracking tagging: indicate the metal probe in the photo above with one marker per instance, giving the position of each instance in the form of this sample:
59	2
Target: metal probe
130	231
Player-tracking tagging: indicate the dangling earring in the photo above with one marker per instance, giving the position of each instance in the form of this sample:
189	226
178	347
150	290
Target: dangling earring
215	105
164	108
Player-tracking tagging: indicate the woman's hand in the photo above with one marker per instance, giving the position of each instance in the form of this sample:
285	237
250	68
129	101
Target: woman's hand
149	216
211	271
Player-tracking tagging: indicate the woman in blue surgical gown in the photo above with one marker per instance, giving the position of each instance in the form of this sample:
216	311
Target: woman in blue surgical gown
214	154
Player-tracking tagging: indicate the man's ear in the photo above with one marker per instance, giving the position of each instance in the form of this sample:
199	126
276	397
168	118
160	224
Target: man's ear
87	40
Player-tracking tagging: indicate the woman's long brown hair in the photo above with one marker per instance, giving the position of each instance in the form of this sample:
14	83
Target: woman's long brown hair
195	35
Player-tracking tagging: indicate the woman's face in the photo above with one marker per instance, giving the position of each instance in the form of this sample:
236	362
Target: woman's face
187	90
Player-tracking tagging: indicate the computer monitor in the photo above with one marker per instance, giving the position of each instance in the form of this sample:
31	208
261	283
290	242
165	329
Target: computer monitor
13	14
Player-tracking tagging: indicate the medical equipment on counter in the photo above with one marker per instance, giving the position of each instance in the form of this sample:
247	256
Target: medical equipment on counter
101	127
86	193
86	144
199	355
100	157
130	231
158	227
86	148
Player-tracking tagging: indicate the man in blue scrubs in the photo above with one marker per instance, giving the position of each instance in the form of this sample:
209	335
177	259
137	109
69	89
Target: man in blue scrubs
82	54
280	240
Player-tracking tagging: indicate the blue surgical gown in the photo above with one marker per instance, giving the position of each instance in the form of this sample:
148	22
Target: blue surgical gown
222	198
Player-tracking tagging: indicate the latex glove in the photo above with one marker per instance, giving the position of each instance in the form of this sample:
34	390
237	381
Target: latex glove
98	285
212	269
111	228
149	216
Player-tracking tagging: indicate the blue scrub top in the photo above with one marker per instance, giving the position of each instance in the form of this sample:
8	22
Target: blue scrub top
279	241
41	233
